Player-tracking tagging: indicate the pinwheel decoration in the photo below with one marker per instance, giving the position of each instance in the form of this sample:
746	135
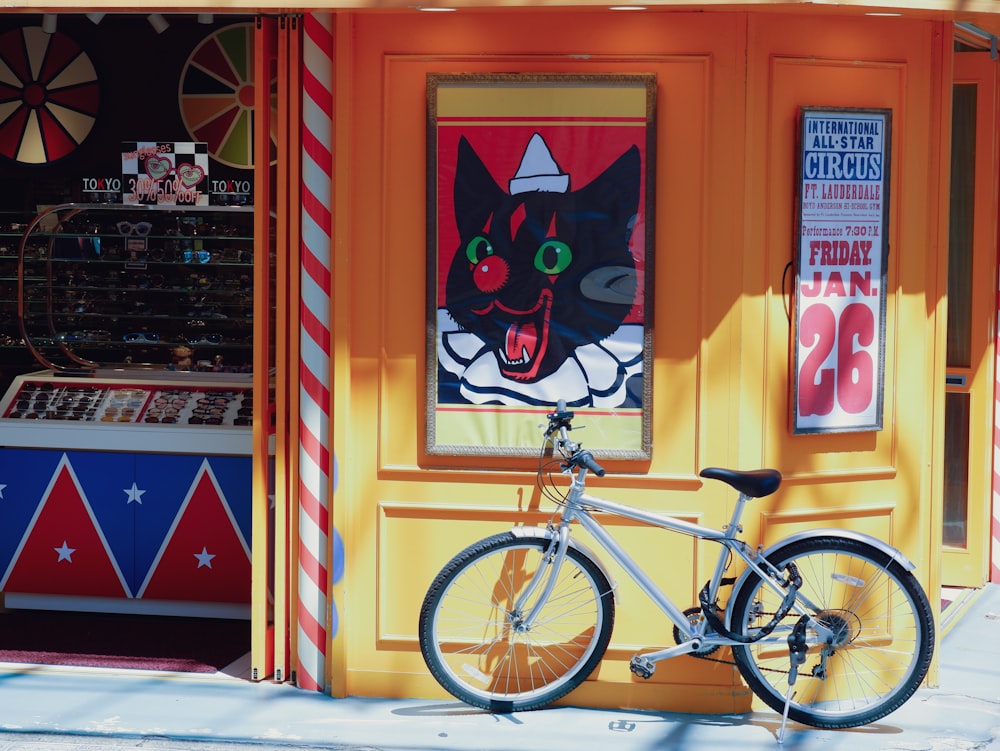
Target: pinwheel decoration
217	96
49	95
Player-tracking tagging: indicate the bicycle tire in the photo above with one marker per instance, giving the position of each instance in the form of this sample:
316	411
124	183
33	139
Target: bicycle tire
468	630
886	632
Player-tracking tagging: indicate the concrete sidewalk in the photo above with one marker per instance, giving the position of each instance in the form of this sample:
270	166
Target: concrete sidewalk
58	709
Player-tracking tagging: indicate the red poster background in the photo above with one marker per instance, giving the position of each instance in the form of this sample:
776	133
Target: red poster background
583	151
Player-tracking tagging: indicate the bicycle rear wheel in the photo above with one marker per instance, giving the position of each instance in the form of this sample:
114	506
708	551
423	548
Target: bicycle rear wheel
883	634
471	625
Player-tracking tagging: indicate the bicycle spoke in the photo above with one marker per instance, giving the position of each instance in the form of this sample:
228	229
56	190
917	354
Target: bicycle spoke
880	631
474	633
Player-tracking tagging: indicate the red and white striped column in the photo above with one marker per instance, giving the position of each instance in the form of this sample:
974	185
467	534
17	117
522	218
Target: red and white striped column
314	364
995	516
995	513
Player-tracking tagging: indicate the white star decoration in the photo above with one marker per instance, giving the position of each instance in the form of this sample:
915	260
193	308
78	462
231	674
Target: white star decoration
204	557
1	491
134	494
65	553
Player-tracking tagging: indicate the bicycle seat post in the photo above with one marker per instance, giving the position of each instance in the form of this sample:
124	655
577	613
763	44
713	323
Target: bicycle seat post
731	531
735	525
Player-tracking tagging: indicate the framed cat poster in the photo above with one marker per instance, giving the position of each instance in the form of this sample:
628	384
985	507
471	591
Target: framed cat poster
539	243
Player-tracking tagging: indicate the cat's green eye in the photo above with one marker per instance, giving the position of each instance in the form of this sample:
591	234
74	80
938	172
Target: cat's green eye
553	257
478	249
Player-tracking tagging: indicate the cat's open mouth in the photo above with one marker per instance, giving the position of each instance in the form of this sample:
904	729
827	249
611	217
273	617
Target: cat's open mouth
527	339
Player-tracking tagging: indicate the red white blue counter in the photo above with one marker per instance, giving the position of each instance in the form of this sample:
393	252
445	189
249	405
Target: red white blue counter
127	492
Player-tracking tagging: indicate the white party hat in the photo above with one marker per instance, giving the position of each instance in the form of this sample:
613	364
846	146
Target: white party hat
538	171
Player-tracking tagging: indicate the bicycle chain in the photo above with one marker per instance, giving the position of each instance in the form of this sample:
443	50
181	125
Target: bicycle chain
708	658
709	612
732	662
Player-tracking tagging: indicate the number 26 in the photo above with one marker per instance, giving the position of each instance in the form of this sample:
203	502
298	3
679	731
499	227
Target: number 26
851	382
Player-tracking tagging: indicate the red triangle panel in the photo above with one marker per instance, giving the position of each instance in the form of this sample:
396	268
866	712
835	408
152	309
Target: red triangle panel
64	524
205	529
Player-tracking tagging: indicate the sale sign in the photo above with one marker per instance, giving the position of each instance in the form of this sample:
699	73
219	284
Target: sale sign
164	173
843	206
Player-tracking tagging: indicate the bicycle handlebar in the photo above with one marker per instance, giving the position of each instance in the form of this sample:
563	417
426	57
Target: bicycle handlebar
586	459
561	421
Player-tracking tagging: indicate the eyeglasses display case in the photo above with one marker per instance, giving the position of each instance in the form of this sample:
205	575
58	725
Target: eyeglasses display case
127	491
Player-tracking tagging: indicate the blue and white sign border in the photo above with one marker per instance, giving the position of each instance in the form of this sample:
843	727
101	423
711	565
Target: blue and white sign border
842	229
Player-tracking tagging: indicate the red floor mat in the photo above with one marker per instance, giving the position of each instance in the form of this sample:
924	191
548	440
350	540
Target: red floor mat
188	645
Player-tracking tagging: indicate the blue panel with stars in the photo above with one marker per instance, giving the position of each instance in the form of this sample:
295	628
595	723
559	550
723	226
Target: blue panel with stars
234	476
105	479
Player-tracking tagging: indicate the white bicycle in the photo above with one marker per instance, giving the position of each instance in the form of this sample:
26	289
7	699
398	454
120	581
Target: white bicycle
829	627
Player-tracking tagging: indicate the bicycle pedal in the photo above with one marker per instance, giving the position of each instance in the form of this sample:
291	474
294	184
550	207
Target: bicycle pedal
642	667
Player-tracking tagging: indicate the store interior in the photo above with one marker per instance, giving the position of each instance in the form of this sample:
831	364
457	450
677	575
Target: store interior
126	246
170	285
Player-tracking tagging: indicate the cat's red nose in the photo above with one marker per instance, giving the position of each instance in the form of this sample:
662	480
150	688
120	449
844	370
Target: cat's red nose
491	274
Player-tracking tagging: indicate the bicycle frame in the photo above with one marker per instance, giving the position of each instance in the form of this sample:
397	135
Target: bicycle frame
578	506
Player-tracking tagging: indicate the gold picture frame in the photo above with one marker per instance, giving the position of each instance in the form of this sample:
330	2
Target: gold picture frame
539	260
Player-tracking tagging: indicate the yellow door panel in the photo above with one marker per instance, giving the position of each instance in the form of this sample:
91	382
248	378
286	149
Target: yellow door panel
972	279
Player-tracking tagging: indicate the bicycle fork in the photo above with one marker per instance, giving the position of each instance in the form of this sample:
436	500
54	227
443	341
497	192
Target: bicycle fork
522	621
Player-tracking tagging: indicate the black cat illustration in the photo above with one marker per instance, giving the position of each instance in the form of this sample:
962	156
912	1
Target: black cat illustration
542	269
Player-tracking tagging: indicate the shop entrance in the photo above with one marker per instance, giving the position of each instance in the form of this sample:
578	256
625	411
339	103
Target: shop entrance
972	295
134	387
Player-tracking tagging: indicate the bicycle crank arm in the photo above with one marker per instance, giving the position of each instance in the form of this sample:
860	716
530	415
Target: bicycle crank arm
644	665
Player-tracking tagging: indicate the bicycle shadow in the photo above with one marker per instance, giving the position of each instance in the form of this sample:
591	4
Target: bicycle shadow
678	725
456	709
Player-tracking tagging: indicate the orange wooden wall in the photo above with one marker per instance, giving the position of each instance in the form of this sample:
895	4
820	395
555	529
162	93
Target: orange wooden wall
729	85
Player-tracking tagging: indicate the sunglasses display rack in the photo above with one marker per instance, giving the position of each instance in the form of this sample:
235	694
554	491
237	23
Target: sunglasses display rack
95	285
207	415
16	357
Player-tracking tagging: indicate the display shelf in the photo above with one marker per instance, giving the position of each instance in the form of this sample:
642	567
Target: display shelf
15	357
102	284
144	411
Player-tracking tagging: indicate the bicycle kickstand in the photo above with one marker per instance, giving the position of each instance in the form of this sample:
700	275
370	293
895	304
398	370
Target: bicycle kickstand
796	656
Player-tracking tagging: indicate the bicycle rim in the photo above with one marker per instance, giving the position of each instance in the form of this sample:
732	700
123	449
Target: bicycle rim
472	636
883	642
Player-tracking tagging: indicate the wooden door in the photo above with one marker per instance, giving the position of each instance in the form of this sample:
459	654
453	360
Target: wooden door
972	295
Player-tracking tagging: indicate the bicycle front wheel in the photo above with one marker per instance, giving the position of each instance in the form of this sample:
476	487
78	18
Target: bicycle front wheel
473	634
882	626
